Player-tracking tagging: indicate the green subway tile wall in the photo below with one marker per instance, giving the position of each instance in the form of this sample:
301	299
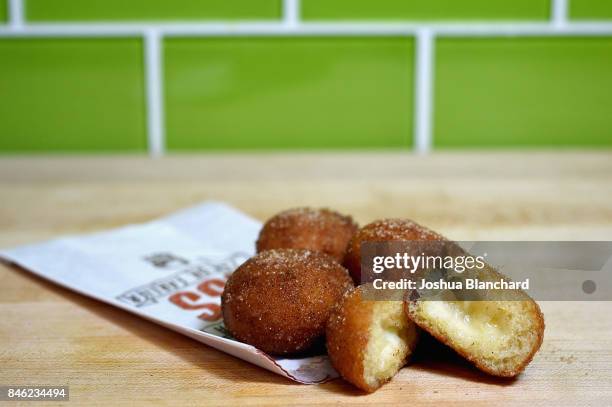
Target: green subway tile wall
288	92
523	92
3	12
91	10
425	9
71	95
591	9
294	91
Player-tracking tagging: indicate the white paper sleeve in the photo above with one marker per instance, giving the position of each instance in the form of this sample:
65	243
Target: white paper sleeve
170	271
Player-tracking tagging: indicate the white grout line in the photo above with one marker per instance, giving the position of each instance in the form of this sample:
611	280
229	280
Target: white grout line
154	92
423	85
328	29
559	12
291	13
15	17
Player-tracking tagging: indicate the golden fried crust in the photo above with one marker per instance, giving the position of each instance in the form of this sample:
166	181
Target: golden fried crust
347	337
305	228
411	309
279	300
384	230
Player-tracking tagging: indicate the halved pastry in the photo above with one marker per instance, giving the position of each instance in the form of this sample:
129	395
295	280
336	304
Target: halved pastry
499	337
368	340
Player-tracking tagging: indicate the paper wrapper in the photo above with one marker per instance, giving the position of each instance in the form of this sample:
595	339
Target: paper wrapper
170	271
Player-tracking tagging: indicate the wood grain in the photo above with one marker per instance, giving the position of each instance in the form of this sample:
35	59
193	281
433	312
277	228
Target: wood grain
51	336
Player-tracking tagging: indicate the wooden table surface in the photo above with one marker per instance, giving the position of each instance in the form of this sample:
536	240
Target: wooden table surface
51	336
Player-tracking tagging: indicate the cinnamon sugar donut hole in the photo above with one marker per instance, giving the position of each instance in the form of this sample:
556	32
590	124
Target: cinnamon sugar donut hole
384	230
279	300
321	230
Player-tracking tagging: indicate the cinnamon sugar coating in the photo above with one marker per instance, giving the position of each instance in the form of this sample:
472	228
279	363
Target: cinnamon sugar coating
321	230
279	300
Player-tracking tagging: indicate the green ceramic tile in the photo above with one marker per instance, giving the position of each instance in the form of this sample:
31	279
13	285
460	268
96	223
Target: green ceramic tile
591	9
262	93
71	95
3	12
425	9
91	10
523	92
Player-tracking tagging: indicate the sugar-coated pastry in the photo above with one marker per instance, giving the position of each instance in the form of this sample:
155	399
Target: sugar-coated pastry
385	230
499	337
279	300
321	230
368	341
